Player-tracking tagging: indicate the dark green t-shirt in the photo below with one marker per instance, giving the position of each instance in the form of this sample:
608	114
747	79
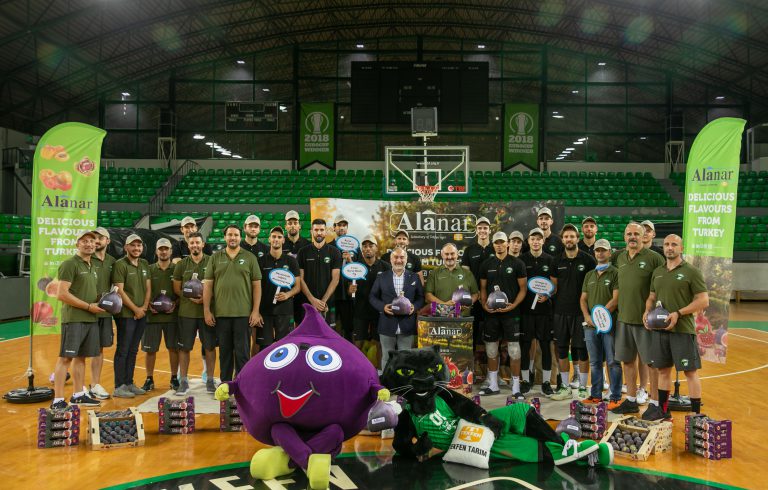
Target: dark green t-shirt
676	289
183	273
600	288
233	282
104	273
84	285
443	282
162	280
635	282
134	279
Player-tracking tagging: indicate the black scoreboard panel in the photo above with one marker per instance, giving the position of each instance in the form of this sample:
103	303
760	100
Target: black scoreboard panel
384	92
250	116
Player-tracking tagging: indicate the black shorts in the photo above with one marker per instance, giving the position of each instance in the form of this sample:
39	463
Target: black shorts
275	328
150	341
479	316
537	327
678	349
501	326
79	340
191	327
365	329
106	332
568	331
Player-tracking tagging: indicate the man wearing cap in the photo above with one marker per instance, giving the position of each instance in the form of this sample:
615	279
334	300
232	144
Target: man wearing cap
191	317
180	247
320	266
251	243
568	274
682	291
343	299
473	257
447	278
413	261
293	240
131	276
589	232
636	265
104	262
231	297
650	234
515	244
601	287
78	290
366	317
396	331
276	308
553	245
161	324
504	273
537	322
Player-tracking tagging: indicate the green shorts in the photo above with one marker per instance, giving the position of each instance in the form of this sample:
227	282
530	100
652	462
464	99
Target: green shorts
79	340
150	341
678	349
630	340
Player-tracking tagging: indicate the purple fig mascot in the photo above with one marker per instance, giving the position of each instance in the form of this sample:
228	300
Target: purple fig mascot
305	395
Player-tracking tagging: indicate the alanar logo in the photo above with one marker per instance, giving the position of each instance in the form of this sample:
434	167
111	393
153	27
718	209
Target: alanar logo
429	221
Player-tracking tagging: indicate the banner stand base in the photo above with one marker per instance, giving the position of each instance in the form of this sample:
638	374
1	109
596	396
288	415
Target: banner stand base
30	394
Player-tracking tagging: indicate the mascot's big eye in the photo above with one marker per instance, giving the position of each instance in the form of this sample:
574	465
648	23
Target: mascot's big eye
436	369
405	372
323	359
281	356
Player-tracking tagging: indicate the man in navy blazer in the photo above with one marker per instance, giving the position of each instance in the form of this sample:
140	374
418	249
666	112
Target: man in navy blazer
396	331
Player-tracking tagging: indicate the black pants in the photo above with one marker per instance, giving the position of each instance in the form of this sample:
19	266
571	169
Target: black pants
344	315
129	333
234	344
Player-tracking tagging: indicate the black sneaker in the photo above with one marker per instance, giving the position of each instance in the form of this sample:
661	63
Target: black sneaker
59	405
84	401
174	383
559	383
149	385
525	387
519	397
488	391
627	407
654	412
546	388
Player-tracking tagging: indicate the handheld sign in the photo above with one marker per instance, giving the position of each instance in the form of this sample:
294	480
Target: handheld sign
282	278
602	319
540	285
347	243
354	271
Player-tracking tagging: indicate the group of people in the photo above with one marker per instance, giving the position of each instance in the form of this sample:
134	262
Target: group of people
242	311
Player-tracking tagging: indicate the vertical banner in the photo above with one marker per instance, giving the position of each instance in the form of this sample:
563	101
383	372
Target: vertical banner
65	193
521	136
711	186
316	138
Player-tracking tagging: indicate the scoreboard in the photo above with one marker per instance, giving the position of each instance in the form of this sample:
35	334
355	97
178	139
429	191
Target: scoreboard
250	116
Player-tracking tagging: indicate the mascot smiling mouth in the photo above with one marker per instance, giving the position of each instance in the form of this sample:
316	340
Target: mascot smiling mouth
290	405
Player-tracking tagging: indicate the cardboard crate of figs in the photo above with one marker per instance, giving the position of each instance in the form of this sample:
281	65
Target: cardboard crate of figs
663	429
115	429
708	437
630	441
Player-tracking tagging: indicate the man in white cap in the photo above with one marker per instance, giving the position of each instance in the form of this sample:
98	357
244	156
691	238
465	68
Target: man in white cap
650	234
293	239
131	276
505	274
104	262
251	243
180	247
474	255
515	243
161	325
366	317
78	290
589	235
343	299
413	261
553	245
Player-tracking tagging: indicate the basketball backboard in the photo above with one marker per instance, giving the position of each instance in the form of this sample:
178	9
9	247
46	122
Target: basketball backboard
446	167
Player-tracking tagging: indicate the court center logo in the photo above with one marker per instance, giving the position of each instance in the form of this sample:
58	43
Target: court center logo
316	122
521	123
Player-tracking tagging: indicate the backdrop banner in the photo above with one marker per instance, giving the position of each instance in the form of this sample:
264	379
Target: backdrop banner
65	201
316	138
711	187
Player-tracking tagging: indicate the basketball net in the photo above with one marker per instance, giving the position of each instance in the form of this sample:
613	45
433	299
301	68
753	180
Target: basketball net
427	193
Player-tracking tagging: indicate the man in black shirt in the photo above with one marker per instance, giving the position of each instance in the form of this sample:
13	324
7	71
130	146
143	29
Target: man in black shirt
252	229
413	263
568	276
320	266
366	318
180	249
473	257
293	239
537	322
589	232
276	309
553	245
343	300
650	234
506	274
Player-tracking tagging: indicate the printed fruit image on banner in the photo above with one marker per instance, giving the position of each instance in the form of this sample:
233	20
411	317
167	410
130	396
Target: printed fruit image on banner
64	203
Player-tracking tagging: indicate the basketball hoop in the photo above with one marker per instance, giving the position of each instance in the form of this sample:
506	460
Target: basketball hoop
427	193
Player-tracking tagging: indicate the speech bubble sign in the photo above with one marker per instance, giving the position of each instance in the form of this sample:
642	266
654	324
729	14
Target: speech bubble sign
347	243
282	278
354	271
602	319
540	286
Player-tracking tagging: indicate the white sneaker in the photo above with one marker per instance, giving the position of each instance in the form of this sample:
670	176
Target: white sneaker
642	396
574	384
623	388
98	392
606	386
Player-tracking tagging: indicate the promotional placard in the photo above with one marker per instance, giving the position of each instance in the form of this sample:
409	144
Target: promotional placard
283	279
540	286
602	319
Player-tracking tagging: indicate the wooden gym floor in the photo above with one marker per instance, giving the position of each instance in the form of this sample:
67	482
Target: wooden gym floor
731	391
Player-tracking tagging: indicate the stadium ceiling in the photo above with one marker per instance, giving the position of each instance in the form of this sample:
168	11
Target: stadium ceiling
58	56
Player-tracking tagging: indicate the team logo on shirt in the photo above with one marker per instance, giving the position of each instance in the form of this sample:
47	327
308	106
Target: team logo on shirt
509	270
460	276
241	261
580	267
641	265
607	282
552	248
286	267
409	266
327	260
261	254
680	277
684	362
545	268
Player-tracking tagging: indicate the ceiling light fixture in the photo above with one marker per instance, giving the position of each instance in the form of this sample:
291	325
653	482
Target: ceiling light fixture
199	136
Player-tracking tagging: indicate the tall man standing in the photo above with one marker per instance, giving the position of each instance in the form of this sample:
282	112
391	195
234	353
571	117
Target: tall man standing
131	276
181	247
444	280
473	257
293	240
320	266
413	262
251	243
682	291
233	282
104	263
506	273
277	308
553	245
650	234
343	299
78	290
589	235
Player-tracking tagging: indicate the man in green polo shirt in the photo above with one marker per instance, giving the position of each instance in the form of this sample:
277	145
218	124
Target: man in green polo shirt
104	262
131	276
443	281
161	324
636	265
682	291
78	290
601	287
233	282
